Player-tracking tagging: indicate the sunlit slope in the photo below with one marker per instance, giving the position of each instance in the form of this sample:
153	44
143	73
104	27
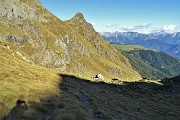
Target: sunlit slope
47	41
22	80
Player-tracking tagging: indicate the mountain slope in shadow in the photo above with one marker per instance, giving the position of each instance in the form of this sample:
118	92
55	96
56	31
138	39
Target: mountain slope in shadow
80	99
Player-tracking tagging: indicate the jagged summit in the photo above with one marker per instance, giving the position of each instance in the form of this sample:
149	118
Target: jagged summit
80	22
78	18
79	15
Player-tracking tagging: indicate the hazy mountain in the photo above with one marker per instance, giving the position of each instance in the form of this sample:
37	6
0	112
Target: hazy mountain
149	63
166	42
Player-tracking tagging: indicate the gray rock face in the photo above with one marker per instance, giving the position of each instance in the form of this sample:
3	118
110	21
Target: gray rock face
13	9
16	39
51	59
20	10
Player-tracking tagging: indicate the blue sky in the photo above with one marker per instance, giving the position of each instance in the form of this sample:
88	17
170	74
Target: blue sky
121	15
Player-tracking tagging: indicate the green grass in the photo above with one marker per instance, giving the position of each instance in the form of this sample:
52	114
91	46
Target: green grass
128	48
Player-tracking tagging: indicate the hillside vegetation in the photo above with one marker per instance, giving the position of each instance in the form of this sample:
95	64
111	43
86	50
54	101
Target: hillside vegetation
22	80
149	63
51	95
69	46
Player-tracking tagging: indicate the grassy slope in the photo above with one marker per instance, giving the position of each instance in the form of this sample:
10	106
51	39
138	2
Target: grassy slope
103	54
86	59
62	97
96	62
128	48
22	80
151	64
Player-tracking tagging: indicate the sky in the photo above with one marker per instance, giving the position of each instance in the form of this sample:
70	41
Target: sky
142	16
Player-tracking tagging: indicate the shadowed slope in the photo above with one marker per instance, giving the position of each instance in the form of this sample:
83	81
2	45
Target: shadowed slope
80	99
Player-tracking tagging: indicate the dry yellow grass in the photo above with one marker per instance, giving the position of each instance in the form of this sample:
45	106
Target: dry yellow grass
22	80
60	97
4	30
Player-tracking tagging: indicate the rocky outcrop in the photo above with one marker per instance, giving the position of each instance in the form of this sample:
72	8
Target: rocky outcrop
99	77
21	10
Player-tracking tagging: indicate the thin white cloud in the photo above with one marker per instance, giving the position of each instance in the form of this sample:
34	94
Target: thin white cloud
142	28
112	25
136	27
117	27
169	27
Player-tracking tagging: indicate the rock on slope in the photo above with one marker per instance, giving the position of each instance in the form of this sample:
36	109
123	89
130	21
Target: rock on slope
72	46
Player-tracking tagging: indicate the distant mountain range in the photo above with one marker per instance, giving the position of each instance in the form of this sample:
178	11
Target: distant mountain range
165	42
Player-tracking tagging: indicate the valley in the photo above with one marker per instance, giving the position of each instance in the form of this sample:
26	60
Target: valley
151	64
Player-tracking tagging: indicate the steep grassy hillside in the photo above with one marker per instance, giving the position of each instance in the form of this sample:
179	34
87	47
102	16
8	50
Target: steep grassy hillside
50	95
47	41
149	63
22	80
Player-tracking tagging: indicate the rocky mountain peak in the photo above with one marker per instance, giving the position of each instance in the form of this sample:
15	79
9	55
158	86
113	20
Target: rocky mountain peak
79	15
78	19
80	22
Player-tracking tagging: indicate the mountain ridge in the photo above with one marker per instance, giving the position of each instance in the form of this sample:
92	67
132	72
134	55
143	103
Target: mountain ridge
53	43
